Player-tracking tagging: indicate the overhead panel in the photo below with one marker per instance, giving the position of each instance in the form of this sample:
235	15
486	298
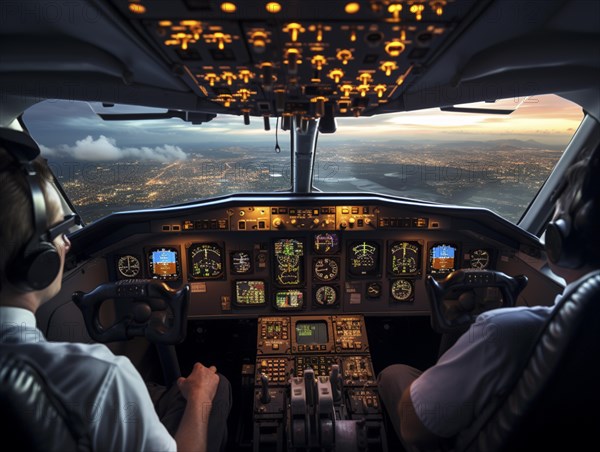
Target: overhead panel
301	59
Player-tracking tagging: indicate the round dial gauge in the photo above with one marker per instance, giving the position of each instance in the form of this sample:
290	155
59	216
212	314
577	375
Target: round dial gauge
241	262
326	269
374	290
206	260
402	290
480	259
405	257
325	296
364	258
128	266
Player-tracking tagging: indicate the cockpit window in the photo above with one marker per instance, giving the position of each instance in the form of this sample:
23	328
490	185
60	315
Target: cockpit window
483	160
107	166
493	161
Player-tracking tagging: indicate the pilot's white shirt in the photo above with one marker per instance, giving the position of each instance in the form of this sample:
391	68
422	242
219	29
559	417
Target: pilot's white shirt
105	389
479	367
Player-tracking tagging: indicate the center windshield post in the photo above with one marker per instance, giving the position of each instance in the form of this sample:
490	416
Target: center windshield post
305	140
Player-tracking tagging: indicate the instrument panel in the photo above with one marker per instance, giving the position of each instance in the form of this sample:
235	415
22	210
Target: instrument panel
250	261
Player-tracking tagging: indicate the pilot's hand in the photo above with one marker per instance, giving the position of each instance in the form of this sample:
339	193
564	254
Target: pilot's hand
201	385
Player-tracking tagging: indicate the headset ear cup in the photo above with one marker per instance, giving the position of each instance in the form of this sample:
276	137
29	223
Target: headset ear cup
37	270
563	245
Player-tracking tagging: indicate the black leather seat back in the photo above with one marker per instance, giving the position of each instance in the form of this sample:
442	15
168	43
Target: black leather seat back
32	417
555	403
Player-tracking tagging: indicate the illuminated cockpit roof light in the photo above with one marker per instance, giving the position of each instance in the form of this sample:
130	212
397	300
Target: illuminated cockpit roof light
273	7
228	7
352	8
137	8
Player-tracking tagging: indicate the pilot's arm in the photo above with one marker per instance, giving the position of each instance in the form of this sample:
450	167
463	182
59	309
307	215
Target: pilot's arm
445	399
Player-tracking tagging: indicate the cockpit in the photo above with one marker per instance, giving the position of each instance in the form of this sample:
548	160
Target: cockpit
301	193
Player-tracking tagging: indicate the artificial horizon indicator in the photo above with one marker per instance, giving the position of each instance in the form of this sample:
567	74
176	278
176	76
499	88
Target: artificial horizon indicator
164	263
442	258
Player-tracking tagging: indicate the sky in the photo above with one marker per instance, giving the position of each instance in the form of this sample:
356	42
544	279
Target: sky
71	129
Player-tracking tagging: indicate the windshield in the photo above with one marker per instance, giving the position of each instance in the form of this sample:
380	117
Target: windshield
485	160
493	161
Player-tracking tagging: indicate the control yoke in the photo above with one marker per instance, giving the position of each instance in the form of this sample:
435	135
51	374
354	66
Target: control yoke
461	282
146	308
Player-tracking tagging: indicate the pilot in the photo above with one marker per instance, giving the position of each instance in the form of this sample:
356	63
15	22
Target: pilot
104	389
430	409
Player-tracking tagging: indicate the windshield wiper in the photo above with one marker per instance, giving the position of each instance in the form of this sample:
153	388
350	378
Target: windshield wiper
189	116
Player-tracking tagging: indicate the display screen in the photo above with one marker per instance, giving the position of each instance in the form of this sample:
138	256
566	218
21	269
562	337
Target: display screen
164	263
250	293
404	258
206	261
289	260
363	258
442	258
289	299
311	333
326	243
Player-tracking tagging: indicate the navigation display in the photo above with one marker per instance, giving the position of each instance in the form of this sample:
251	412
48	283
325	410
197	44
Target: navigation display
289	262
250	293
311	332
163	263
442	258
289	299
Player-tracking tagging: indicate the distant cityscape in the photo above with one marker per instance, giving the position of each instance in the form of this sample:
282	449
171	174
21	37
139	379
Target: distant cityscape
502	176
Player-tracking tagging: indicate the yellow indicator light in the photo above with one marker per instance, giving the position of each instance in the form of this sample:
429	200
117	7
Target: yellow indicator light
220	38
273	7
245	75
336	75
353	35
388	67
228	7
380	89
344	56
394	10
417	10
347	89
294	29
365	78
165	23
352	8
394	48
137	8
438	6
318	61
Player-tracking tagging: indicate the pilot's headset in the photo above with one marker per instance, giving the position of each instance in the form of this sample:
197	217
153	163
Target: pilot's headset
570	237
38	262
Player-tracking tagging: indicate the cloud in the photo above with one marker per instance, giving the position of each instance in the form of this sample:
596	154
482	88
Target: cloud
104	149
